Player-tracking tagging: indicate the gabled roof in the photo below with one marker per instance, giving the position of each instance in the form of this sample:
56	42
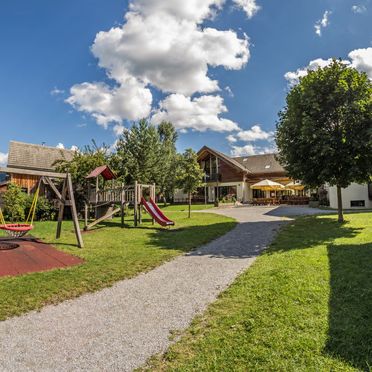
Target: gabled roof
104	171
36	157
221	155
257	164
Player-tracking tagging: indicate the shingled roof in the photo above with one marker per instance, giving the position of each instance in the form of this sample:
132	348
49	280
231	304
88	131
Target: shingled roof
265	163
35	157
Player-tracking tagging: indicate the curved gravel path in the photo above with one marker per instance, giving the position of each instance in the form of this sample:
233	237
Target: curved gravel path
119	328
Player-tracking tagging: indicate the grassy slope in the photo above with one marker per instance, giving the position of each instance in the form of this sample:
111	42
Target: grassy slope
111	254
306	304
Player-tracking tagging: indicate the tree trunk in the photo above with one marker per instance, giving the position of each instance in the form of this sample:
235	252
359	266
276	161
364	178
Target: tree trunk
339	205
189	205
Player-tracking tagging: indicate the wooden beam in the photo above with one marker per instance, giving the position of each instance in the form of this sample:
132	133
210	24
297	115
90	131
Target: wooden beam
29	172
53	187
74	211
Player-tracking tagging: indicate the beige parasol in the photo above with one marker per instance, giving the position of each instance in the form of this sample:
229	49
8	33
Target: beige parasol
267	185
295	185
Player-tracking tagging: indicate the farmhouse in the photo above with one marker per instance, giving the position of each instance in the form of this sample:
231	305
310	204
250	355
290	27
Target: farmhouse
26	163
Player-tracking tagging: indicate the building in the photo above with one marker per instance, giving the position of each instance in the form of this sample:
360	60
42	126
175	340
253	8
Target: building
354	196
26	160
232	177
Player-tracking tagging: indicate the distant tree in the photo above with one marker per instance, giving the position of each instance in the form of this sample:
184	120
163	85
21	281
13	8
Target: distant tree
138	153
168	162
324	134
82	163
190	175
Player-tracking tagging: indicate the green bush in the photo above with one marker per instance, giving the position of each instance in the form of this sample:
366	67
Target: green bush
45	210
17	205
14	201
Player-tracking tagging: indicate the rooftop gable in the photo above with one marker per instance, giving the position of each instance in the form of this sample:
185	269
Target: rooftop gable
36	157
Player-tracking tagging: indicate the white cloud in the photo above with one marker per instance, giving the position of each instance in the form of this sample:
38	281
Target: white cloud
60	146
74	148
361	59
249	6
130	101
254	134
118	129
200	114
56	92
174	54
162	44
232	139
243	150
3	159
229	91
249	149
359	9
322	23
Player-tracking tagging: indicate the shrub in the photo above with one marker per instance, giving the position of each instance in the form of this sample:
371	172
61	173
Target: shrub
14	200
45	210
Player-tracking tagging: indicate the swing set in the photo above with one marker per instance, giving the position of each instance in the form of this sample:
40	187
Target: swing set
65	198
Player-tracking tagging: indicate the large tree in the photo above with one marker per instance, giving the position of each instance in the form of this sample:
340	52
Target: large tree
324	134
138	153
190	175
168	161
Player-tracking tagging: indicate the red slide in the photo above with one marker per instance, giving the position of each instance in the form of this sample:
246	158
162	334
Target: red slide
156	213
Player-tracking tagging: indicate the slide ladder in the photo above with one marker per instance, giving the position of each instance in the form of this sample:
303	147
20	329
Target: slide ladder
155	212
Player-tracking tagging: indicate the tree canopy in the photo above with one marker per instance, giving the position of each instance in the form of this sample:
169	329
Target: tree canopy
190	175
324	133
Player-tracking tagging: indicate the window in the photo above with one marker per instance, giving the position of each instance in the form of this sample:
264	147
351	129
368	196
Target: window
259	194
357	203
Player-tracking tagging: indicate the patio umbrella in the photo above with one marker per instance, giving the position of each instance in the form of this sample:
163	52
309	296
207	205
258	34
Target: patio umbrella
267	185
295	185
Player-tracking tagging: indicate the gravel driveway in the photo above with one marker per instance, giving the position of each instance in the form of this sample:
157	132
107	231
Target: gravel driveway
119	328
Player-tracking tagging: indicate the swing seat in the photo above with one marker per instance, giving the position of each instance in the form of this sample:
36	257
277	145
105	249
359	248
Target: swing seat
16	230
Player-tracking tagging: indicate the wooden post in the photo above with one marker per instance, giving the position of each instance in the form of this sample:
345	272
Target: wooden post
61	209
74	211
122	211
135	202
85	215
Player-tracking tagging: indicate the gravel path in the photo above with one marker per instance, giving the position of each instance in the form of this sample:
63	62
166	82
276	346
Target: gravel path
119	328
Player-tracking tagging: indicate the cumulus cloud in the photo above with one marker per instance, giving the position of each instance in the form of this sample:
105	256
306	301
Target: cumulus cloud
322	23
361	59
254	134
250	149
3	159
249	6
130	101
60	146
231	139
163	44
200	114
358	9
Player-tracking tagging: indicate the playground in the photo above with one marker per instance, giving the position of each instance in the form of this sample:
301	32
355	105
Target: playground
111	253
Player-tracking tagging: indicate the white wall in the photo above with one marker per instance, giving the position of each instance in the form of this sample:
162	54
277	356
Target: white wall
354	192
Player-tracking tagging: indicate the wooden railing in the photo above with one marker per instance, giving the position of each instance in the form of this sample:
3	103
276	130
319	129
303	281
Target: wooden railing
124	194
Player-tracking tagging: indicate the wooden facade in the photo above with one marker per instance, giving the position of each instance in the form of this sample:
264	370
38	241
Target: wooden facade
27	182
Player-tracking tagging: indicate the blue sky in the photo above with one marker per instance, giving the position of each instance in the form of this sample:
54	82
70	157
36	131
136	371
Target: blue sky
46	52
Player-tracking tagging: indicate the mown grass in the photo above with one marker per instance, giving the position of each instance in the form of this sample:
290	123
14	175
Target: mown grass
111	254
305	305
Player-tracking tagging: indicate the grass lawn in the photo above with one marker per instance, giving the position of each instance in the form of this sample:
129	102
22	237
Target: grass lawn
305	304
110	254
